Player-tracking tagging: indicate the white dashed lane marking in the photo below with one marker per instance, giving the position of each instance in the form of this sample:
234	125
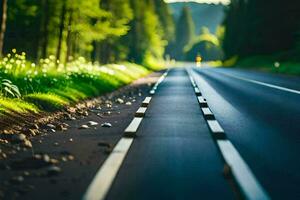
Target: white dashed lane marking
105	176
248	184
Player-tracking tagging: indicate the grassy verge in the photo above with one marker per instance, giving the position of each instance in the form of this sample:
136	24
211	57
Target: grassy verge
49	86
269	64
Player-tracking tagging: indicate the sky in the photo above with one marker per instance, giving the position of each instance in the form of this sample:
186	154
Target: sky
200	1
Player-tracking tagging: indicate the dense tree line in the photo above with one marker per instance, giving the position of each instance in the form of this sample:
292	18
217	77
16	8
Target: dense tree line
184	34
188	44
100	30
256	27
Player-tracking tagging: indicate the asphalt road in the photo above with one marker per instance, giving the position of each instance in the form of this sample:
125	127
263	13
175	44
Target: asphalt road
262	121
174	156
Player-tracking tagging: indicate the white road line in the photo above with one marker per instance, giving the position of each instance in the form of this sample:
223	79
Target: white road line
160	80
264	84
214	126
104	178
202	101
246	180
146	101
197	91
193	81
250	187
152	92
141	112
134	125
207	113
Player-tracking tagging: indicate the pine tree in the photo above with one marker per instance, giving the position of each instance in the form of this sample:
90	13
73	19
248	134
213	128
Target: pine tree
185	32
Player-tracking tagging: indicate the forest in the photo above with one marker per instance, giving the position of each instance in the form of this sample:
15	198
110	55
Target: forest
57	52
101	31
263	33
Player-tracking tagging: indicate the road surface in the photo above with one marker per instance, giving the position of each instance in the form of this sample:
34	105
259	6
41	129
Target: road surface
262	121
174	156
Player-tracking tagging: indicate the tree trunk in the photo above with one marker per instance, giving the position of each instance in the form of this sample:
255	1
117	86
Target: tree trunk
3	25
61	30
69	38
45	29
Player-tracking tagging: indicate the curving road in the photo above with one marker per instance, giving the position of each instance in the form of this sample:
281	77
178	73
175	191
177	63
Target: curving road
260	113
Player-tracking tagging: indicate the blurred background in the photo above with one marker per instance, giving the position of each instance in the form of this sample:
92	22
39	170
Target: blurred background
251	31
53	49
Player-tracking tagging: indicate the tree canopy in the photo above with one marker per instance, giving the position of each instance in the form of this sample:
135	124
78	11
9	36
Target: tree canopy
185	33
256	27
100	30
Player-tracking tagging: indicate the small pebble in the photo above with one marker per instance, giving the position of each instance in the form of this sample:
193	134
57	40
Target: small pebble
106	124
52	130
27	144
51	126
56	144
84	127
18	138
120	101
64	159
26	173
53	170
71	157
92	123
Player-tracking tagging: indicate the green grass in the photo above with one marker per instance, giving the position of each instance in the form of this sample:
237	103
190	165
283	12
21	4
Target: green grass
269	64
49	102
17	105
47	86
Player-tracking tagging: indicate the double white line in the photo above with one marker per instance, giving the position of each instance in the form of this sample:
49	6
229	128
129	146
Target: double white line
107	173
248	185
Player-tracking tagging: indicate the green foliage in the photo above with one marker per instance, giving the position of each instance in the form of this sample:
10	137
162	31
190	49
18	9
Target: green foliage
49	102
207	45
258	27
269	64
48	86
16	105
167	22
145	38
185	33
100	30
204	14
8	89
65	42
